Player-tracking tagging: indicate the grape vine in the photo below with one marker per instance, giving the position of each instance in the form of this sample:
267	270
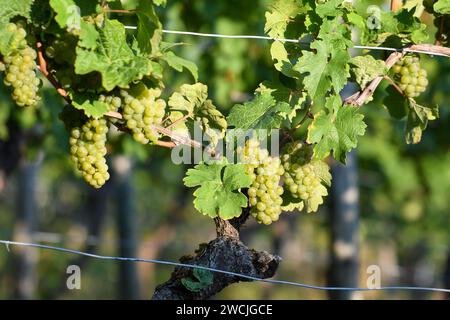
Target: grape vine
113	76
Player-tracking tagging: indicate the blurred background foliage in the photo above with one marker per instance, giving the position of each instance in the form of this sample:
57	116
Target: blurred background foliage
145	210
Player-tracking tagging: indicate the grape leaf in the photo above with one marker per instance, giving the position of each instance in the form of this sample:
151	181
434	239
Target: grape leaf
89	104
88	36
295	98
282	62
67	14
263	112
329	8
326	68
149	31
322	170
282	12
160	2
396	103
336	130
112	58
290	203
417	121
194	100
9	9
366	68
201	279
356	20
442	7
179	63
219	185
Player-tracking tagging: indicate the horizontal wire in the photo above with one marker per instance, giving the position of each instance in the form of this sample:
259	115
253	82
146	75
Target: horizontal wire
225	36
193	266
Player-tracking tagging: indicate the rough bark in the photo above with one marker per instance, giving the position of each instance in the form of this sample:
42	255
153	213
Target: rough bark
226	252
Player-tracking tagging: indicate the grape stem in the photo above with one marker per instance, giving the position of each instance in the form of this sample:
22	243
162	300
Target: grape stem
182	119
43	68
386	77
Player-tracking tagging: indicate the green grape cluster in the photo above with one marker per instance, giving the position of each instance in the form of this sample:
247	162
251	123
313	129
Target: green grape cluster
303	177
265	192
88	151
20	69
113	102
142	110
412	78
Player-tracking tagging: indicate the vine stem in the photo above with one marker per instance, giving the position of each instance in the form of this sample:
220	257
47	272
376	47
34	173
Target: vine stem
395	85
43	68
359	98
396	5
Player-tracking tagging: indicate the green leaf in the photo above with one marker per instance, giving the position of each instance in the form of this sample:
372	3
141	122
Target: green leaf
194	100
322	170
160	2
219	192
282	12
149	31
202	279
88	36
336	131
442	7
112	58
356	20
9	9
396	103
295	98
417	121
282	62
290	203
67	14
263	112
327	68
89	104
179	63
329	8
366	68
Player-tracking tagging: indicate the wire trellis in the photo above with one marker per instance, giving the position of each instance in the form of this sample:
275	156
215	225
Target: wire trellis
239	275
226	36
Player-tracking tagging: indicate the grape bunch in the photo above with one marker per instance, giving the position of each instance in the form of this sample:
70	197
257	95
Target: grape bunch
88	150
265	192
412	78
142	110
20	69
303	178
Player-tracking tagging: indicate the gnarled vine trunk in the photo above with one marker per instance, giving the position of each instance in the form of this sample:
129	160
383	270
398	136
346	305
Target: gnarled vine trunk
226	252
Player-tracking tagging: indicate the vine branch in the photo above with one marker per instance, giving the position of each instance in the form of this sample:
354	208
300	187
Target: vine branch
361	97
